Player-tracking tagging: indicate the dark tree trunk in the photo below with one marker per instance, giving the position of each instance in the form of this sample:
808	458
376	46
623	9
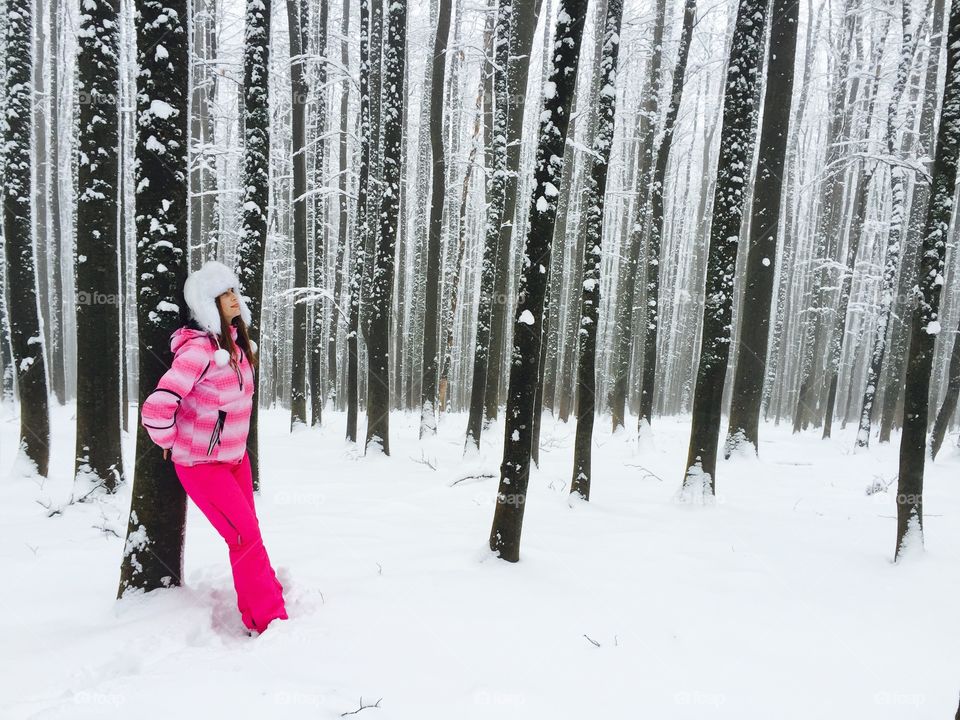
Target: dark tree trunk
344	222
751	362
590	294
949	405
57	362
251	248
25	335
98	457
381	284
736	150
438	190
296	31
497	114
153	552
554	119
900	332
895	232
317	338
925	321
363	229
523	26
655	235
626	295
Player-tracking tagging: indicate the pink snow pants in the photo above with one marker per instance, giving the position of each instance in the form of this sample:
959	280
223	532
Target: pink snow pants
224	493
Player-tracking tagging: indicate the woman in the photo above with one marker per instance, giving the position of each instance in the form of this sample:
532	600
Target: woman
200	411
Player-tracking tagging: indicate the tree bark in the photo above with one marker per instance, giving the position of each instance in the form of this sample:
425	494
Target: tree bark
25	333
925	320
554	119
153	552
98	457
736	149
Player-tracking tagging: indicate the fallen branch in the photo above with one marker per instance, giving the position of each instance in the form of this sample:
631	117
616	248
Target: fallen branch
362	707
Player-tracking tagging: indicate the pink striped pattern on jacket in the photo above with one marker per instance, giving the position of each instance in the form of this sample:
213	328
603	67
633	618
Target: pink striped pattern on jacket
200	409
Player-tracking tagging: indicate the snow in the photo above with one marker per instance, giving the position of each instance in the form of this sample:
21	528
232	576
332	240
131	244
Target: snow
161	109
526	318
933	327
780	600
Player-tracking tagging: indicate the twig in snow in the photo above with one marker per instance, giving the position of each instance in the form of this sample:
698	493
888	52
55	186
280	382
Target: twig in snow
423	461
362	707
105	529
647	472
596	644
481	476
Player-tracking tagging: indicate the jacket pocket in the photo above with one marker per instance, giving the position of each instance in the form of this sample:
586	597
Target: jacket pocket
217	430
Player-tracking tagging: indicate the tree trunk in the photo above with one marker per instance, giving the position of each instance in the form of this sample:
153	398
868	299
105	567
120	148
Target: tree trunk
438	190
153	552
381	283
554	119
497	113
751	363
626	294
25	333
98	457
736	149
925	321
523	23
654	239
252	244
590	293
296	31
949	405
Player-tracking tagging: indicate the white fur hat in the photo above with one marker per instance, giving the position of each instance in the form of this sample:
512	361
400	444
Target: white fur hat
201	290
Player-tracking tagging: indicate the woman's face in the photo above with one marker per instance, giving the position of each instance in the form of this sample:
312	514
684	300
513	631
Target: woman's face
229	305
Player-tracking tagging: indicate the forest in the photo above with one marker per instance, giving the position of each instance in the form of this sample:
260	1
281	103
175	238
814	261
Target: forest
688	265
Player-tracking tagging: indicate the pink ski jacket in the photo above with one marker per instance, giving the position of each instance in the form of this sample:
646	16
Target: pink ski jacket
202	405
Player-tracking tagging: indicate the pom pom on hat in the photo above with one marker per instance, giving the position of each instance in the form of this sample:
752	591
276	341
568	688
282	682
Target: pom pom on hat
253	345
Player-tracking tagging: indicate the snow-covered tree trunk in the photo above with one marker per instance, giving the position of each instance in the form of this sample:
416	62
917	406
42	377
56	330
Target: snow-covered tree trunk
296	32
894	234
98	457
590	291
381	283
25	332
523	26
736	150
525	360
949	404
153	552
497	176
251	248
655	234
897	345
925	320
359	264
764	229
344	220
626	292
438	172
318	204
56	349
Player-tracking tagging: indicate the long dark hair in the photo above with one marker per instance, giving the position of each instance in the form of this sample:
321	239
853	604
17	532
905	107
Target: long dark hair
243	338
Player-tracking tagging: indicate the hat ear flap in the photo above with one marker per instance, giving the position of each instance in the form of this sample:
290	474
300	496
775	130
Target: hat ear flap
244	310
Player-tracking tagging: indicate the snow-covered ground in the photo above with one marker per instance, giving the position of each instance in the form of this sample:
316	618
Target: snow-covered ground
780	601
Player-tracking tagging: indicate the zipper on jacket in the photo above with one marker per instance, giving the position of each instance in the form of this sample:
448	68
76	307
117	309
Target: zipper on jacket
217	430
